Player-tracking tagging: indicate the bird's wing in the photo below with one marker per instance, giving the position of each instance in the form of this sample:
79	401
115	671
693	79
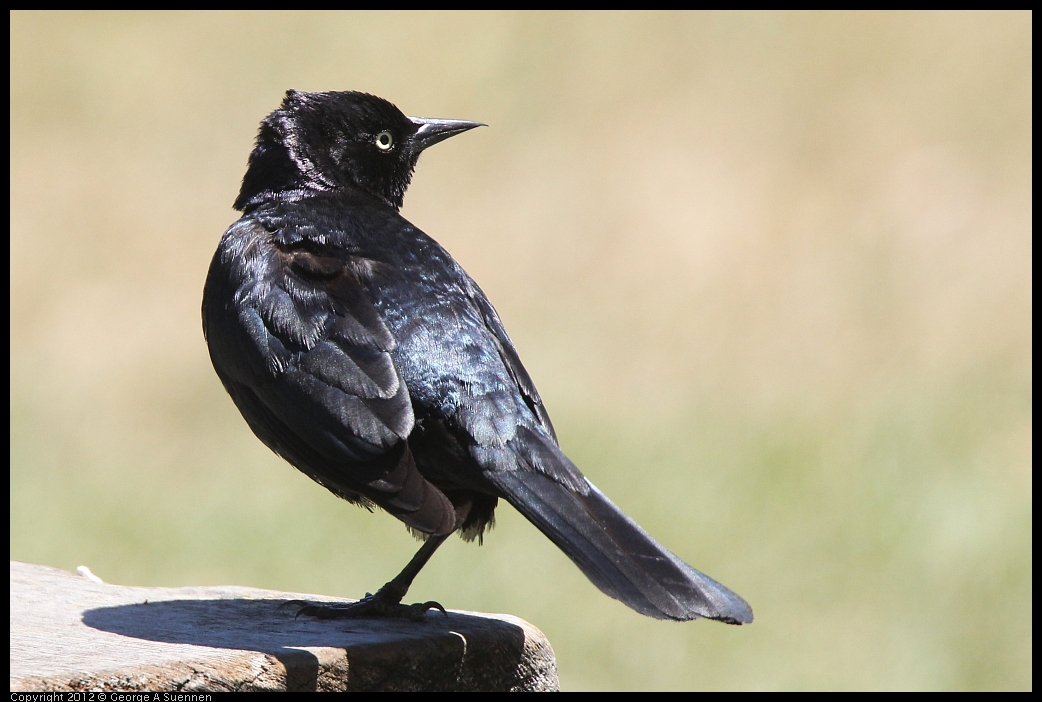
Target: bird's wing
320	386
508	354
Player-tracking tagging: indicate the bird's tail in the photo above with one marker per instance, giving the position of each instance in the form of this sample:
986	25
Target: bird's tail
617	555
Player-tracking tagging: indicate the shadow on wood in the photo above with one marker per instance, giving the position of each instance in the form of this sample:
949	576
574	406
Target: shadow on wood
71	633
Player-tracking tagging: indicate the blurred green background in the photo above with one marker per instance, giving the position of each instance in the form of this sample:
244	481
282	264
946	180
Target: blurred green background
771	273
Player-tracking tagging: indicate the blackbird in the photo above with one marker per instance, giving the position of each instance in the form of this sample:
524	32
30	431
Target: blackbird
356	348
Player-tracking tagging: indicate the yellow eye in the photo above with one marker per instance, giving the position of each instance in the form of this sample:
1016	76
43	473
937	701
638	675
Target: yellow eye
384	141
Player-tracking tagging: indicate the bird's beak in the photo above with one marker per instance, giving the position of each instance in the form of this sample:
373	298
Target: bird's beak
431	131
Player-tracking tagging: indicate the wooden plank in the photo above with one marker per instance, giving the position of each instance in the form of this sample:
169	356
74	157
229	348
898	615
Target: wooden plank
74	632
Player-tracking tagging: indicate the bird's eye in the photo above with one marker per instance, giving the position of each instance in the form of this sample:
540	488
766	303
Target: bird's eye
384	141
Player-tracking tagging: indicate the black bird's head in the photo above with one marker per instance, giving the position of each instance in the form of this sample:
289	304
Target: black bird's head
330	141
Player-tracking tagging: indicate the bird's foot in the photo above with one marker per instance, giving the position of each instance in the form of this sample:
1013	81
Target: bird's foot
370	607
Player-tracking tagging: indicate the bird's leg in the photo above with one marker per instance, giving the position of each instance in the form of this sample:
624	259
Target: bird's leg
387	601
395	589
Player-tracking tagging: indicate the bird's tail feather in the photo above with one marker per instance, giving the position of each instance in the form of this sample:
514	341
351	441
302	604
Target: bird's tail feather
617	555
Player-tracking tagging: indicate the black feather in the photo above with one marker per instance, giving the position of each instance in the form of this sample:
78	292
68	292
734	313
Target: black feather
358	349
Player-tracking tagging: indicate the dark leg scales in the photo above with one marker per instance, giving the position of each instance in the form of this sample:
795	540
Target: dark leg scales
370	607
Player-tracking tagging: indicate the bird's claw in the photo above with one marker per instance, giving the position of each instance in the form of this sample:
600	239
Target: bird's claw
293	603
371	607
420	609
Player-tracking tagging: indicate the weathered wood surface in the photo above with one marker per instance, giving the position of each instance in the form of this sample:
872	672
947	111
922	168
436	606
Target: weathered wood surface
72	632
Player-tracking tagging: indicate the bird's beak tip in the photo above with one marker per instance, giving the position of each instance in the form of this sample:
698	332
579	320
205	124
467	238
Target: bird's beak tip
432	131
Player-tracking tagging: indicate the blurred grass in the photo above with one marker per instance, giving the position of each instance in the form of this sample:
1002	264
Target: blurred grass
771	273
